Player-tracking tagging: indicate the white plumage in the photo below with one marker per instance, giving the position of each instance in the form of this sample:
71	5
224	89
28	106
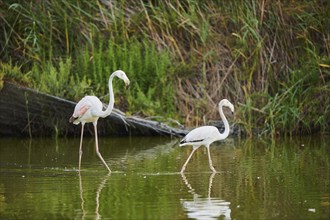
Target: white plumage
200	136
206	135
89	109
83	110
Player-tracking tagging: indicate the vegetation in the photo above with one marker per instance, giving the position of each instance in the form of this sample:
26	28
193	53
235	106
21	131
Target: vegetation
270	58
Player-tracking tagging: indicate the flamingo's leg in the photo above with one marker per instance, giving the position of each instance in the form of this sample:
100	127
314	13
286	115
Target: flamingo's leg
97	146
81	140
210	160
185	164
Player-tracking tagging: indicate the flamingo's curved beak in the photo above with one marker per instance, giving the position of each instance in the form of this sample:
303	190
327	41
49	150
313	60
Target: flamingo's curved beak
127	82
232	109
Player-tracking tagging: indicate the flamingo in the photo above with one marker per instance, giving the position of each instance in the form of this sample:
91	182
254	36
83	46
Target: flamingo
89	109
206	135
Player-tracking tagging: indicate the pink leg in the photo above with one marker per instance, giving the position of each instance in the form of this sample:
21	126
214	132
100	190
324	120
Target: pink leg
185	164
97	146
81	140
210	160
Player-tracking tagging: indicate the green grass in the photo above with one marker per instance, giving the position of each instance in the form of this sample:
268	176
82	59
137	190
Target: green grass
271	59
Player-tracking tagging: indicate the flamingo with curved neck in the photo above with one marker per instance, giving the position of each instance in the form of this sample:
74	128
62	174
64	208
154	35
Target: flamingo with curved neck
89	109
206	135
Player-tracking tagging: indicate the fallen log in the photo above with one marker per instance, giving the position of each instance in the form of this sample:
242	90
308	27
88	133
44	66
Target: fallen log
26	112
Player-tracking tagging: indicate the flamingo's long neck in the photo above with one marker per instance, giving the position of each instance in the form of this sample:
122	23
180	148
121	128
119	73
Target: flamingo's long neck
111	99
225	122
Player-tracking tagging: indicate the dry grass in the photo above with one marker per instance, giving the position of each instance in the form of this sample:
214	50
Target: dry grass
270	58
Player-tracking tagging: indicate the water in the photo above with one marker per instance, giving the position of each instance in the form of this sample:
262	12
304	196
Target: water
256	179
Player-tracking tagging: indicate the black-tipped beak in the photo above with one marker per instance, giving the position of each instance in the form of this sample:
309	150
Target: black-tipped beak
127	82
72	119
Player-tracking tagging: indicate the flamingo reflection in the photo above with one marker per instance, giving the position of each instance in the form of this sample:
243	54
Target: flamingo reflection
205	208
97	196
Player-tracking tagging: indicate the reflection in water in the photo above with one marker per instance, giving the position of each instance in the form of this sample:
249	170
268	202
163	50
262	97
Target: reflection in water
285	179
97	197
205	208
82	197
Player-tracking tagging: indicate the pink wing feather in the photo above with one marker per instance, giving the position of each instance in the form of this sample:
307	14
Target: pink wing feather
81	108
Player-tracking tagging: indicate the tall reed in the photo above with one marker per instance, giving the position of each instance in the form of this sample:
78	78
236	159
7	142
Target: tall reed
270	58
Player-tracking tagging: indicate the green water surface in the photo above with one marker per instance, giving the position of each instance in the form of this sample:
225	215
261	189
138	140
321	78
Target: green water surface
256	179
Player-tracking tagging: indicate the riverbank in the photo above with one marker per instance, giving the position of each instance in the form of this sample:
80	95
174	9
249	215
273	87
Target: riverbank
25	112
270	59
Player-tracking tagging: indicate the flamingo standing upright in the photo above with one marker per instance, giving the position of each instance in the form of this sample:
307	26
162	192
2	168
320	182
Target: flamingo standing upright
89	109
206	135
